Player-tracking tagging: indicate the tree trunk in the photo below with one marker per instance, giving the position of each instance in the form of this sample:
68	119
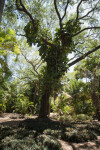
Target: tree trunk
96	103
2	2
45	105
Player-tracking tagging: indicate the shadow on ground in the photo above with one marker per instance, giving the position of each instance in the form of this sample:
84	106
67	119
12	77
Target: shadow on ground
46	132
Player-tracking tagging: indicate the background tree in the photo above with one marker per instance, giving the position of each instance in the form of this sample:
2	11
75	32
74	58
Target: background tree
29	78
8	46
89	70
81	99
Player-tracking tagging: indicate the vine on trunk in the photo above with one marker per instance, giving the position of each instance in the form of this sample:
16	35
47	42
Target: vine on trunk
55	55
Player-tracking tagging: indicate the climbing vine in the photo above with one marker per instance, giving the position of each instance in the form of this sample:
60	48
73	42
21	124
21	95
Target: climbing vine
55	56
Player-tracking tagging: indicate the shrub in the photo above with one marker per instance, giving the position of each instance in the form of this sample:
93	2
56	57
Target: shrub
23	104
74	135
11	143
5	131
74	117
83	117
50	142
94	127
42	142
65	118
55	133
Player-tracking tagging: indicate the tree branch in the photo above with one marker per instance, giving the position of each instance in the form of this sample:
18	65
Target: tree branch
31	64
73	57
89	12
65	10
48	43
30	16
24	9
58	14
77	17
39	64
83	56
88	28
78	11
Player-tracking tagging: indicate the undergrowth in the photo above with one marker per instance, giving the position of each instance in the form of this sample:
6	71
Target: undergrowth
35	134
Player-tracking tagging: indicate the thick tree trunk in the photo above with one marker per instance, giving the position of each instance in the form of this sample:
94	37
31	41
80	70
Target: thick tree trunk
45	105
2	2
96	103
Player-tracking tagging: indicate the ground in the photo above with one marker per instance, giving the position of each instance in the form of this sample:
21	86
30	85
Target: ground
16	120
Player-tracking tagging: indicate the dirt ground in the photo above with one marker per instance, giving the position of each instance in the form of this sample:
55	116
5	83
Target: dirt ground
14	120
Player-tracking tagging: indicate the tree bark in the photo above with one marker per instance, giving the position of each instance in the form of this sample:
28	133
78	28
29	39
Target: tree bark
2	2
96	103
45	105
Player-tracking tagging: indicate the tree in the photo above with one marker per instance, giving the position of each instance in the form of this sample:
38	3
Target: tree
2	2
90	69
80	96
28	78
70	35
8	44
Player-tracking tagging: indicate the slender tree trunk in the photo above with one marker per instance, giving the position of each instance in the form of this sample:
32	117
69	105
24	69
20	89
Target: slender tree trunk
45	105
96	103
95	92
2	2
